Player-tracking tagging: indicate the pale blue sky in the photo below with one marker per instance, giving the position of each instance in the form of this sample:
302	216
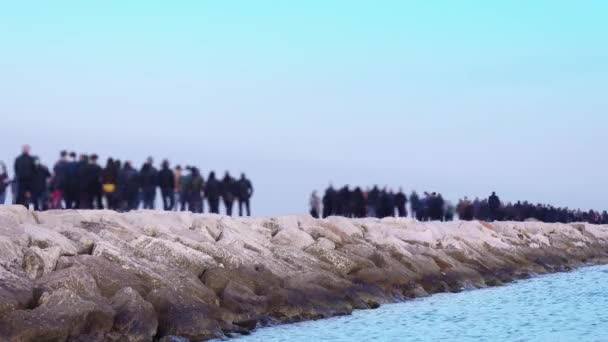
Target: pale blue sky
462	97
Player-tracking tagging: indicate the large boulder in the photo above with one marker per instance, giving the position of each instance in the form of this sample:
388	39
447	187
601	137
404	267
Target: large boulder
61	316
135	319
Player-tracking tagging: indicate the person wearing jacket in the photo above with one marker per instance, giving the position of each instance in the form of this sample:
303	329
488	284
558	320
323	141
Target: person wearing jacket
25	171
4	182
128	185
70	195
213	192
40	193
194	189
179	203
59	182
166	181
401	203
228	192
244	193
148	177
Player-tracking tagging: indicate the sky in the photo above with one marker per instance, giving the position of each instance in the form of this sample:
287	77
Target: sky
461	97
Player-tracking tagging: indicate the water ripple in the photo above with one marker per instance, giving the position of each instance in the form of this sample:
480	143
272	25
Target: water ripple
560	307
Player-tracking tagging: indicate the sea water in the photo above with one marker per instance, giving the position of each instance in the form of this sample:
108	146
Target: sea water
569	306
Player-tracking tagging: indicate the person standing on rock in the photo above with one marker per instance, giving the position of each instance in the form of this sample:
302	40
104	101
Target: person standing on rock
40	193
194	189
109	180
128	181
494	207
415	205
148	177
25	171
85	199
315	204
329	201
373	200
401	203
60	177
228	192
177	188
166	181
4	182
244	193
70	196
94	180
213	193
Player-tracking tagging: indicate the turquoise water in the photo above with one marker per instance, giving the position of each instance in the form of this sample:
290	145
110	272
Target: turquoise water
559	307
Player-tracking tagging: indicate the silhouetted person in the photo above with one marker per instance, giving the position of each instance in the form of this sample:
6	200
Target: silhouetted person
177	189
85	198
415	205
148	177
25	171
166	181
373	202
329	199
359	204
71	184
40	186
4	182
184	178
494	207
244	193
401	203
228	192
194	189
94	180
129	187
109	180
213	192
315	204
60	170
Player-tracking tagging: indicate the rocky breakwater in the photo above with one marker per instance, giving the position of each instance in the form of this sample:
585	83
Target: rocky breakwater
148	275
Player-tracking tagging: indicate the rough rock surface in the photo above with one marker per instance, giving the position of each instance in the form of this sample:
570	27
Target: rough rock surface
151	275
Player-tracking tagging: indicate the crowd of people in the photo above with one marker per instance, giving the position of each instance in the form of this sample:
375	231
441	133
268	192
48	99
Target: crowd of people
380	203
79	182
431	206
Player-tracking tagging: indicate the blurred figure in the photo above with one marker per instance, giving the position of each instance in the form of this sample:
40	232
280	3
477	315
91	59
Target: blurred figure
109	179
373	200
315	204
4	182
213	192
228	192
71	183
166	181
85	200
244	193
40	195
129	184
194	189
329	199
359	203
184	179
25	171
94	180
59	182
415	205
465	209
177	200
401	203
494	207
448	211
148	177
